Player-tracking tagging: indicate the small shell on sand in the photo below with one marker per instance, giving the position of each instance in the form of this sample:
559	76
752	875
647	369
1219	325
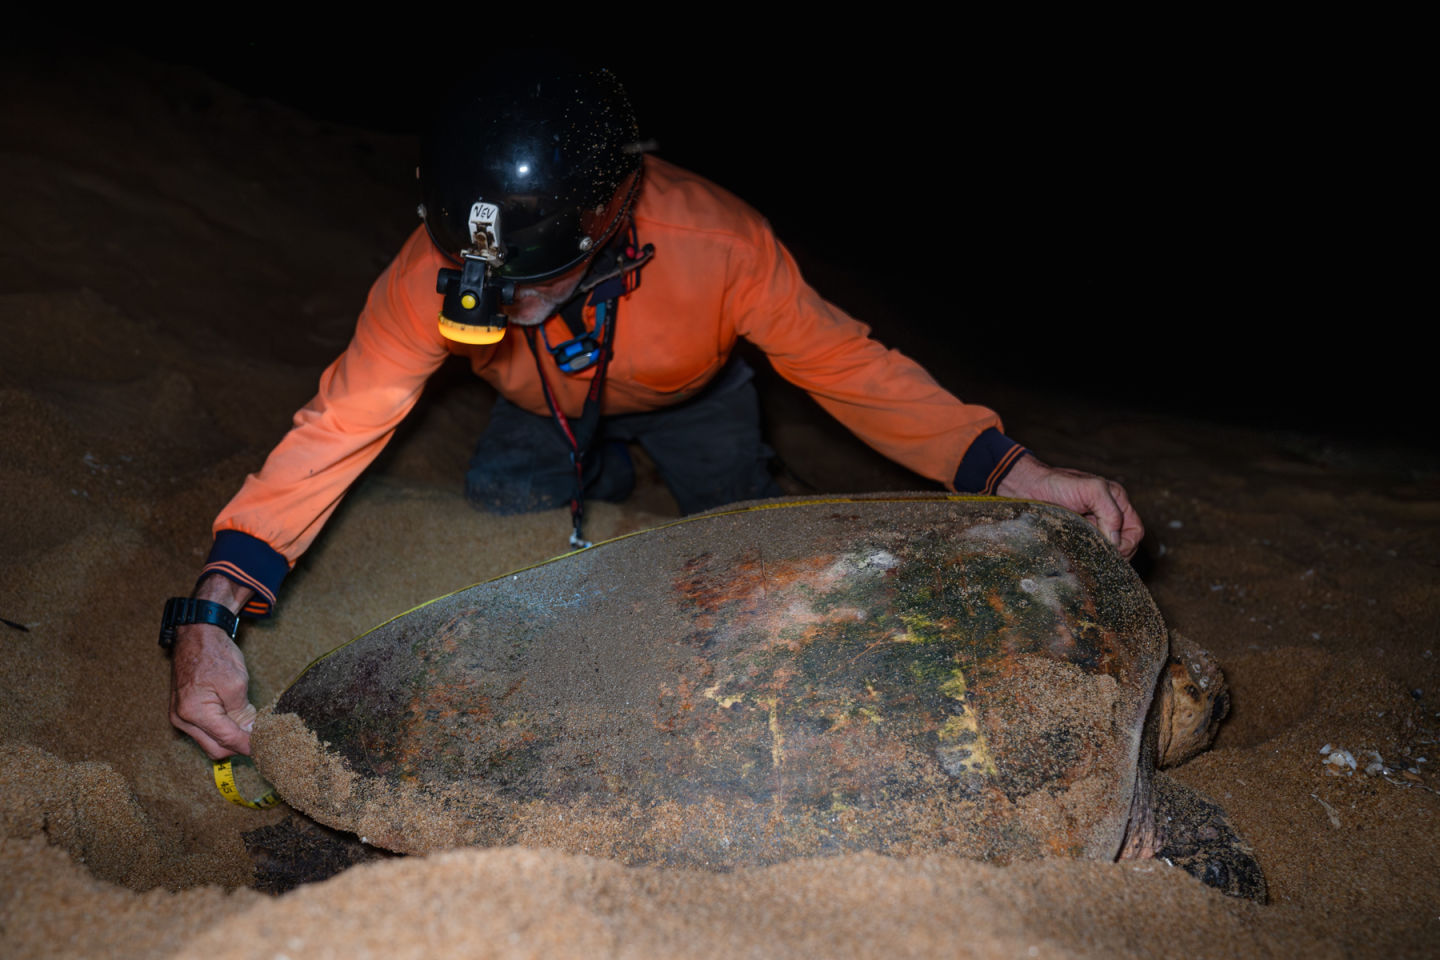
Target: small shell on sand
1338	760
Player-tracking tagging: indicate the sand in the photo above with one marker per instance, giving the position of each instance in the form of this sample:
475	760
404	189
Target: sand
178	262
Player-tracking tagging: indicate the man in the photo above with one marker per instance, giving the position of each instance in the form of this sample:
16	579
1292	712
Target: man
628	282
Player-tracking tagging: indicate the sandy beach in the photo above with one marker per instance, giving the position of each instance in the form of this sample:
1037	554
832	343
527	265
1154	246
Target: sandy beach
179	261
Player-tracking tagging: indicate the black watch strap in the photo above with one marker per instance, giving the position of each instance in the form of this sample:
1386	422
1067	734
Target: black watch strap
182	610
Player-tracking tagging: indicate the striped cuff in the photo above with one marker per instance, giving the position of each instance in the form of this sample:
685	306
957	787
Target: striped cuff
250	562
986	463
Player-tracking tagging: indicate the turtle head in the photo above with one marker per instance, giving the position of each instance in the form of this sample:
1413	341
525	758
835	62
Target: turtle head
1193	701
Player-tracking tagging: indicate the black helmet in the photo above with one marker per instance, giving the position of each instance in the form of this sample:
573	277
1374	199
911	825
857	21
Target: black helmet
558	156
522	182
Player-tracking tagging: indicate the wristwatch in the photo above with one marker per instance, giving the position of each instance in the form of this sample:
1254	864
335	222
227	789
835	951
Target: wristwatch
182	610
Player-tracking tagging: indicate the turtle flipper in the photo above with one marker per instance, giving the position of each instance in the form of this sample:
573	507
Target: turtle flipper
1196	835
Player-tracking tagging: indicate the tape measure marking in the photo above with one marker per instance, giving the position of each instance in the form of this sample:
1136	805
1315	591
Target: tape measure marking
225	783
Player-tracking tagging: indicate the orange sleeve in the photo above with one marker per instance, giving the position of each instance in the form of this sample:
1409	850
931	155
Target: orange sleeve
881	395
363	397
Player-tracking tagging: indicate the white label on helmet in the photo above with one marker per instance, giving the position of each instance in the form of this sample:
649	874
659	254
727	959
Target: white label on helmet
485	231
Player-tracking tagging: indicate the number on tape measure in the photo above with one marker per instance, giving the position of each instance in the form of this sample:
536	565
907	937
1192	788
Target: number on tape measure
225	783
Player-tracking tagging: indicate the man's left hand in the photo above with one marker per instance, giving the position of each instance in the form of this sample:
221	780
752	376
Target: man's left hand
1102	502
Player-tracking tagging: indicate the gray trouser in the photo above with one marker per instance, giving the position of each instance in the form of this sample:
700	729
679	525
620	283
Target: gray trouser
708	450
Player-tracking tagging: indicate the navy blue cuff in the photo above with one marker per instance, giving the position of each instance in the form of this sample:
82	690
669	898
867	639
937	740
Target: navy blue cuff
251	562
987	462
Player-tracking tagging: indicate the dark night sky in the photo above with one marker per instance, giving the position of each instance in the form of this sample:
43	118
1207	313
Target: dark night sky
1200	234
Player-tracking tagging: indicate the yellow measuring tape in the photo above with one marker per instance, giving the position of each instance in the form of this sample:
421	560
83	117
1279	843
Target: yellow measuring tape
225	783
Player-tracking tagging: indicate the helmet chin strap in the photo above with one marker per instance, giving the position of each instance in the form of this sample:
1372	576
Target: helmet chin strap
625	262
612	273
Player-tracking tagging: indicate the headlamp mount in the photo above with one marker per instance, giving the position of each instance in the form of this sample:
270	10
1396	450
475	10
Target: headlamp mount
469	314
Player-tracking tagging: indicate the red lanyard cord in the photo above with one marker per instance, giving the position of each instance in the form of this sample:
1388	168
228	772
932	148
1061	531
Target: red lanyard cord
581	436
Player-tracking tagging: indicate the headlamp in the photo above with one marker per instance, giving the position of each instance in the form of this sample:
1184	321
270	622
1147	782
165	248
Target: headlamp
468	314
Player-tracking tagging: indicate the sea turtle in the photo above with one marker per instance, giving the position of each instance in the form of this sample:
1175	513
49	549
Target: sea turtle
903	674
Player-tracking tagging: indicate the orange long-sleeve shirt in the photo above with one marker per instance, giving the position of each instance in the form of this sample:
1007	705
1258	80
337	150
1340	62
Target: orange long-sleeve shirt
718	274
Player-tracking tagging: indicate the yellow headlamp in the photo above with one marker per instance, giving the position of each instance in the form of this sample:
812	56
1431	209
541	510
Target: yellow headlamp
468	314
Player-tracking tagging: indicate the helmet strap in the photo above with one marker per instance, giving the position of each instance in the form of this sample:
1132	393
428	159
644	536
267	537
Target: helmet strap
622	258
613	273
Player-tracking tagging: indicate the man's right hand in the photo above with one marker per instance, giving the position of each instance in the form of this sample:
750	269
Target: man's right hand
1103	503
208	680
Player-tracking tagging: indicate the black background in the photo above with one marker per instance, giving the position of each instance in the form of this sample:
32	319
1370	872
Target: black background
1212	231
